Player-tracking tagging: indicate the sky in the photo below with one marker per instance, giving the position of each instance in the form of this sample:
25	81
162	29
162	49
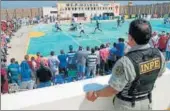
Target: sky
31	4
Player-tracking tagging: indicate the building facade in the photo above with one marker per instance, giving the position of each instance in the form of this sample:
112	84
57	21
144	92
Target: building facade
50	11
68	9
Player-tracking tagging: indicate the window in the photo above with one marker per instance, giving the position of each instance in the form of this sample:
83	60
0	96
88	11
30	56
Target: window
53	11
72	8
94	8
75	8
91	8
68	8
103	8
79	8
88	8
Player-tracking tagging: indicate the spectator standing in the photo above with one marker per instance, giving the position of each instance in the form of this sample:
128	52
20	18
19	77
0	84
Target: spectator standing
33	66
88	50
14	72
120	48
162	41
154	40
53	62
104	53
71	58
4	80
26	78
91	64
81	57
38	59
44	76
112	56
63	62
168	49
98	60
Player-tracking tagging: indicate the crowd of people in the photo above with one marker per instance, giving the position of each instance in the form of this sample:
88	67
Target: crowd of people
85	63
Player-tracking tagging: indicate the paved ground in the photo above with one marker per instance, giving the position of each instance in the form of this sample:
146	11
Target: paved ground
19	44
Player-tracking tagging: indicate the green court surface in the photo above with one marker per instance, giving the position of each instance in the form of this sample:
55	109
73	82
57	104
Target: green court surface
55	41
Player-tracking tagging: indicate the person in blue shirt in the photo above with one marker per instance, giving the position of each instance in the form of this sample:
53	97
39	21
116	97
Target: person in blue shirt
14	72
112	56
26	78
120	48
63	62
71	58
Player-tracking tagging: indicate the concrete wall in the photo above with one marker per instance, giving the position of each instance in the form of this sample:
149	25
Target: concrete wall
160	9
47	11
19	13
71	96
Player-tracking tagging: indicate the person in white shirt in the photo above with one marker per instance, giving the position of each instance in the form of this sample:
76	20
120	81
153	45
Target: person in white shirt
168	50
54	62
154	40
81	29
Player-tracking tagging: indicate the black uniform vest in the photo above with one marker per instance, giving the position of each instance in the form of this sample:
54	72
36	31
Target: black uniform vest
147	64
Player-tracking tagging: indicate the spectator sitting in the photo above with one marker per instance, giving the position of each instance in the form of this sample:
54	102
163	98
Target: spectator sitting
63	62
53	63
91	63
71	58
14	72
26	78
44	76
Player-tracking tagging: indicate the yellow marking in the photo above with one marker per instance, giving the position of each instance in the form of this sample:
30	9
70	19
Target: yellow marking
36	34
150	65
32	35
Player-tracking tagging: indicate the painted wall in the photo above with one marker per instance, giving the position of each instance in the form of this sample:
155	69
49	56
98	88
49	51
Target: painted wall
71	96
47	11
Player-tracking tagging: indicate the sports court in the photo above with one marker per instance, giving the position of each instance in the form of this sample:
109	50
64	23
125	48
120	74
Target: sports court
47	39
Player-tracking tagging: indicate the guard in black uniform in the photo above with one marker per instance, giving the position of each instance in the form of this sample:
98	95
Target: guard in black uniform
134	75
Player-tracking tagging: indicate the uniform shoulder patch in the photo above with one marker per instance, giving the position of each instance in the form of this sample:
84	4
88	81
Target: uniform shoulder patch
119	70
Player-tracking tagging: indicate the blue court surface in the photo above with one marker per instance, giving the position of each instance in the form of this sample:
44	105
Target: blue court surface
55	41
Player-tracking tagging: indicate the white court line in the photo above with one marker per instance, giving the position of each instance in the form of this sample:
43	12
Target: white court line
71	38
